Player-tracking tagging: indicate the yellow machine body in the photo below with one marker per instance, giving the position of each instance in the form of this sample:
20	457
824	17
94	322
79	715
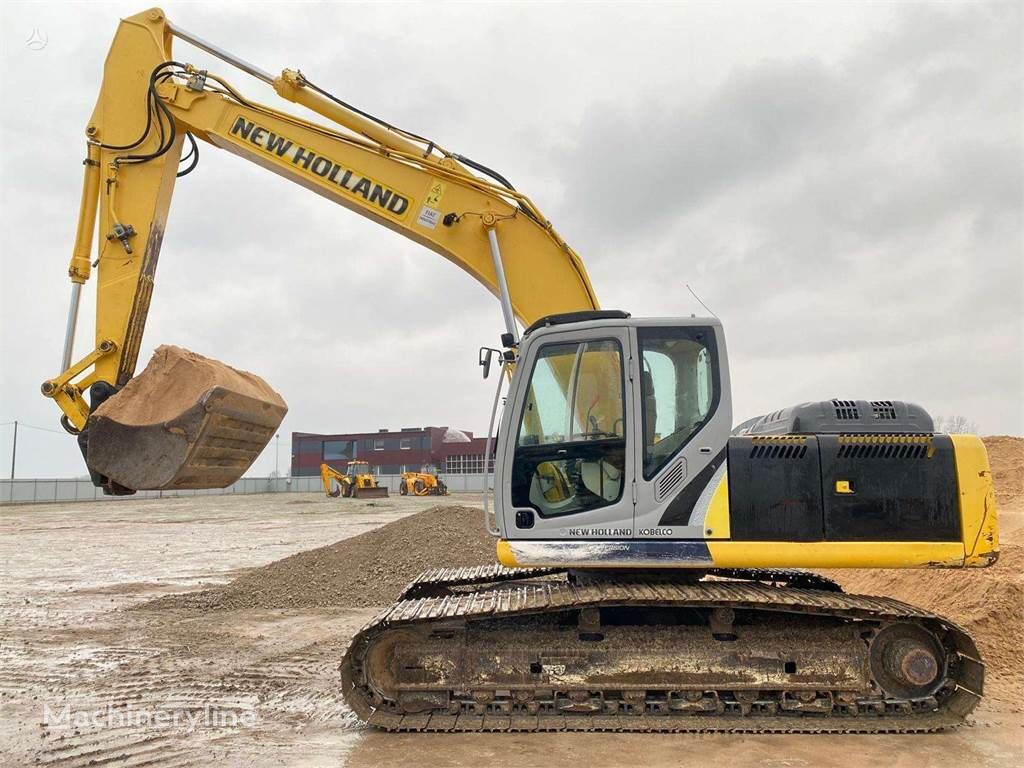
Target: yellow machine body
423	483
357	481
977	547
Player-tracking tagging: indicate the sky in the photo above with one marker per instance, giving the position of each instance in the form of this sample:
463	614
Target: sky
840	183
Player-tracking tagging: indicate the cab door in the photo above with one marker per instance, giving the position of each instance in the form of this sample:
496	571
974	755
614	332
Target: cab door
568	452
684	418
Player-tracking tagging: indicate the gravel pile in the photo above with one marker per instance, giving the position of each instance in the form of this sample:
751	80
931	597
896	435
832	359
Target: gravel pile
365	570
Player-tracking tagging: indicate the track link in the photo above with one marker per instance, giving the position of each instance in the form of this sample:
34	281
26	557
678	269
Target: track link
456	653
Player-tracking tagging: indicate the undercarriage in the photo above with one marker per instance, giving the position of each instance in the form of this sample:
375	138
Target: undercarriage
496	649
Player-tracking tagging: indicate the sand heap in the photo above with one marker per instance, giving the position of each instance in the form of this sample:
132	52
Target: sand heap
174	380
369	569
1006	457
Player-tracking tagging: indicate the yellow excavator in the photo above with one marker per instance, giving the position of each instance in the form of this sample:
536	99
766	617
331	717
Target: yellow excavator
651	555
356	482
426	482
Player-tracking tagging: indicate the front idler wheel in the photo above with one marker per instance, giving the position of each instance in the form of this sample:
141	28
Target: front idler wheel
907	661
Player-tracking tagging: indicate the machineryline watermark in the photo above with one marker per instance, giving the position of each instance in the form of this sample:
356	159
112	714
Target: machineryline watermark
131	716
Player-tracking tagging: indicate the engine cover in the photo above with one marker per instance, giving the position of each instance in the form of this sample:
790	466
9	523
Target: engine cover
847	487
833	417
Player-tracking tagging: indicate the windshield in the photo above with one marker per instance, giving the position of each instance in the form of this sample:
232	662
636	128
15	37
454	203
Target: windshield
575	394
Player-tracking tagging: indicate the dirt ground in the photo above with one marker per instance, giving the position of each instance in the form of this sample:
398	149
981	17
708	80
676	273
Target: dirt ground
241	668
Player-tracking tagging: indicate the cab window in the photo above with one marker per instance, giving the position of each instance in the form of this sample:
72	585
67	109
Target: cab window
570	448
679	389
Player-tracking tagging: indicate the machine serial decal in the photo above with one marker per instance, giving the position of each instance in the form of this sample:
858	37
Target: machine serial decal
322	167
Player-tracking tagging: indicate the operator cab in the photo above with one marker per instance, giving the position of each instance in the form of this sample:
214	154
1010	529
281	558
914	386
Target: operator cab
355	468
605	410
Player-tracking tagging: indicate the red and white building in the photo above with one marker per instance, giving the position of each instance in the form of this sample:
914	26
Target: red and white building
452	451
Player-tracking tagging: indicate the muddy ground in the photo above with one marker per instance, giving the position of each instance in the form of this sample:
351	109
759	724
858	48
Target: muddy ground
189	631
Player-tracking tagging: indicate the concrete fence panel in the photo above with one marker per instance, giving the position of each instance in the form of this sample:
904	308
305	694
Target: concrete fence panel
49	490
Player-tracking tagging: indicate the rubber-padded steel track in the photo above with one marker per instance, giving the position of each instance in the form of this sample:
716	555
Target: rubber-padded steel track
471	597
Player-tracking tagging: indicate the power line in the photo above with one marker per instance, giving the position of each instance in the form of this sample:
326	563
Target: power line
21	423
41	429
14	445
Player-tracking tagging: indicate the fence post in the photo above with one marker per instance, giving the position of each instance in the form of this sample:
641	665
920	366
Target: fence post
14	448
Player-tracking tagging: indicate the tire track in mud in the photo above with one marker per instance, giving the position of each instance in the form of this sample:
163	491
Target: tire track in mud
123	748
48	666
304	683
277	689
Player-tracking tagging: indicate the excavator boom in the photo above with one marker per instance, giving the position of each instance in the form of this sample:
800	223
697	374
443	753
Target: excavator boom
148	106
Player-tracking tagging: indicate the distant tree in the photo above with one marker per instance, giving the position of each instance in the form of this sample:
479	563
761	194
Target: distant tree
955	425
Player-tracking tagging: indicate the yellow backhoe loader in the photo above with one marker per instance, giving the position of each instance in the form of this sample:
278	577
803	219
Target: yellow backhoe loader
356	482
426	482
650	554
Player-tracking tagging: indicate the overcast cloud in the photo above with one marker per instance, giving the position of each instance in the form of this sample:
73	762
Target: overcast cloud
841	185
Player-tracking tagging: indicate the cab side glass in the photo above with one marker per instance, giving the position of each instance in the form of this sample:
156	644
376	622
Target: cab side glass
679	389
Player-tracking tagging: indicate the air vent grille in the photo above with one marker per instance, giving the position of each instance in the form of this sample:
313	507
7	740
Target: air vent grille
885	447
778	451
778	447
883	410
846	410
672	477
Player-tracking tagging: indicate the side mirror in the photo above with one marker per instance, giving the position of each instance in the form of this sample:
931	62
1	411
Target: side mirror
485	360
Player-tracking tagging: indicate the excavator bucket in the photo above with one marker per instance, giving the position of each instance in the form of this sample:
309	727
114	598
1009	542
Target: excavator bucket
185	422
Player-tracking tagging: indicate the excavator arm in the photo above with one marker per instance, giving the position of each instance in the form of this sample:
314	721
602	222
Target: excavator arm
149	105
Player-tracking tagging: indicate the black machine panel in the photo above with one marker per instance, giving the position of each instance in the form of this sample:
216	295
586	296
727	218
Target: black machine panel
836	487
900	488
836	416
775	489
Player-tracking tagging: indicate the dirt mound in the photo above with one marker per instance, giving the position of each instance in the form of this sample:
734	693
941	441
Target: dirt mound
1006	457
369	569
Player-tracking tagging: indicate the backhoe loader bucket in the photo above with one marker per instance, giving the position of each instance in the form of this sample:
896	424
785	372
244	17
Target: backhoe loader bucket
185	422
379	492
